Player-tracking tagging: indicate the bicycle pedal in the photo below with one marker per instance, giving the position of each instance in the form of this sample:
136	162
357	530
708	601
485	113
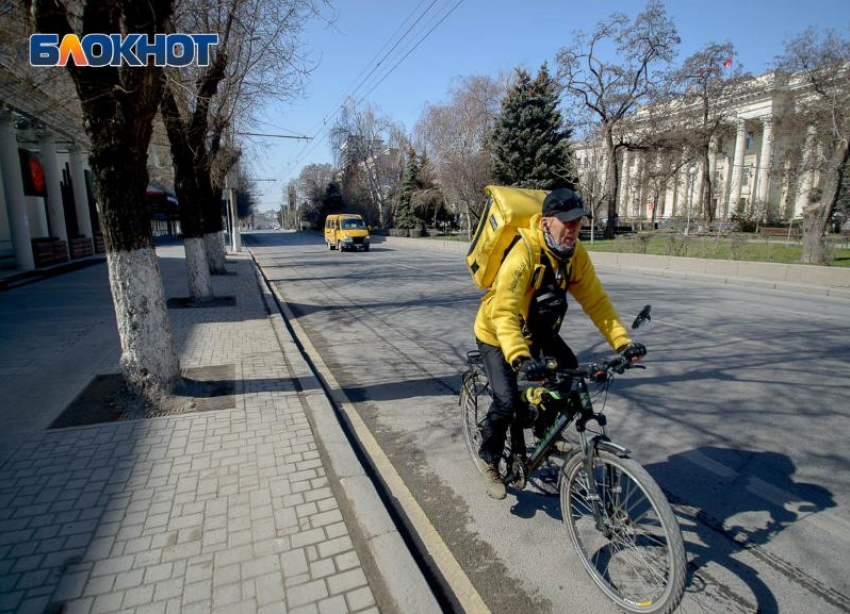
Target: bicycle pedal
520	477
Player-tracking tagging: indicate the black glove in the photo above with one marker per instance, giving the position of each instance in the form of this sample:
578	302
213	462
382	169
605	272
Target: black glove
632	351
529	369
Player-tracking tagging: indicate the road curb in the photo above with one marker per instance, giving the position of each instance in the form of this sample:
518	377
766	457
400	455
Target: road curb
401	587
822	281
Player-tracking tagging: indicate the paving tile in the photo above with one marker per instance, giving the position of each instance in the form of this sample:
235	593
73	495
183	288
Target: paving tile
305	593
360	598
226	511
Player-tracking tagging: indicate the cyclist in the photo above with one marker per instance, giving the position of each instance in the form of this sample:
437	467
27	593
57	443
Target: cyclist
520	318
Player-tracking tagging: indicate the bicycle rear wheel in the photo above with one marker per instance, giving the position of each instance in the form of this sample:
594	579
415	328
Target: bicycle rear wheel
638	556
471	413
475	399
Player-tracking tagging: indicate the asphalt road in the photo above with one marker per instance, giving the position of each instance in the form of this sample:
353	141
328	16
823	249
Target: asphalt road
741	416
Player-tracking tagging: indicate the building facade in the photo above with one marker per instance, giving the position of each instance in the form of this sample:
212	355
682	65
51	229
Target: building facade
48	208
762	162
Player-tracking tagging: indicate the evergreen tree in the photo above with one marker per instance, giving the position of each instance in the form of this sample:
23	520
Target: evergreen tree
410	182
530	144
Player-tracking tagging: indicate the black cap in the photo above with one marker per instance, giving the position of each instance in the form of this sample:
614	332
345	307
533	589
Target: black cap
565	205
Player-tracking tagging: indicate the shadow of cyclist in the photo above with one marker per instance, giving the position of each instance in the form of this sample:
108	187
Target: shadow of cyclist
727	501
732	500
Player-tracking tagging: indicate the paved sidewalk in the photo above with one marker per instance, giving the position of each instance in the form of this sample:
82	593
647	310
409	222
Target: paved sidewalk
222	511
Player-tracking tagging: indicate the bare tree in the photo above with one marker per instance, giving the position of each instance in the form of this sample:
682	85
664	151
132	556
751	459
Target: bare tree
118	105
185	114
312	184
821	60
259	57
590	167
456	137
709	87
289	219
373	143
611	90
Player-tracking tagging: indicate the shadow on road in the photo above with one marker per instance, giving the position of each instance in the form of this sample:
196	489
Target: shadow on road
737	501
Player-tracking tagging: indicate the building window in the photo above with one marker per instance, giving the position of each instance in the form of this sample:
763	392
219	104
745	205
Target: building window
745	176
751	140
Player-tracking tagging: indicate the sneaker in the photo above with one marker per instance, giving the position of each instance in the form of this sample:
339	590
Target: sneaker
492	480
562	447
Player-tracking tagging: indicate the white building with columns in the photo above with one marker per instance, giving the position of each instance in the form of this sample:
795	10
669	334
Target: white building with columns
63	212
761	161
62	222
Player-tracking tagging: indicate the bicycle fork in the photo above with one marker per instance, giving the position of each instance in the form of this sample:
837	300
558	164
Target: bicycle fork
582	399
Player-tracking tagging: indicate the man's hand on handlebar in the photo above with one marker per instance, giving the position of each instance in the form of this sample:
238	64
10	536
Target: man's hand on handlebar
633	352
530	370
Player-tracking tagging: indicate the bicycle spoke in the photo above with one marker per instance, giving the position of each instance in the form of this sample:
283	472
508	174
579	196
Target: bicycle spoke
630	555
648	565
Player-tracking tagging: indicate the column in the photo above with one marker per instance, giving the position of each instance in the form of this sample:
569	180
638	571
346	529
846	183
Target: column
52	179
765	160
624	185
681	205
737	165
699	187
670	188
805	172
786	199
81	196
13	190
640	188
712	162
727	173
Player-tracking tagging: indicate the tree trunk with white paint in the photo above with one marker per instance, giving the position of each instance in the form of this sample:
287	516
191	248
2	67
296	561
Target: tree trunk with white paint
215	252
197	269
118	107
148	358
189	197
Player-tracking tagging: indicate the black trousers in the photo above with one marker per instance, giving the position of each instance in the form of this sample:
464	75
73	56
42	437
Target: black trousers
506	399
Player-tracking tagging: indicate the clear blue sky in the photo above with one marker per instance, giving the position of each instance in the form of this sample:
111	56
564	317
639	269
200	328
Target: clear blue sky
486	37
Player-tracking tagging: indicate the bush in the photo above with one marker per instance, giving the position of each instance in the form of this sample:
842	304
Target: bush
708	247
744	222
737	244
640	242
676	245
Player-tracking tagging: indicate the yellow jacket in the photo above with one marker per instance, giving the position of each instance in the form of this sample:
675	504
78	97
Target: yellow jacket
505	307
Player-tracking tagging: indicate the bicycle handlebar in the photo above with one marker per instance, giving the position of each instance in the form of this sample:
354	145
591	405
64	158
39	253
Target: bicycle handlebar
591	370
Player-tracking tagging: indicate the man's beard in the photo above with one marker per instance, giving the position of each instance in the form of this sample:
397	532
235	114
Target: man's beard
563	252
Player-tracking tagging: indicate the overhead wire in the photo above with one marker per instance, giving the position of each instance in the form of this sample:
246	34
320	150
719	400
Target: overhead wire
380	79
358	82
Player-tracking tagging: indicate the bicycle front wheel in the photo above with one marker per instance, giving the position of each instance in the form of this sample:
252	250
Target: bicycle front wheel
632	546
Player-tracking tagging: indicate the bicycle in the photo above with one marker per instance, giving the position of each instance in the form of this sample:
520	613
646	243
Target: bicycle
619	522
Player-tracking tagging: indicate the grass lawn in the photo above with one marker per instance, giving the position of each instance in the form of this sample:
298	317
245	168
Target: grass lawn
742	248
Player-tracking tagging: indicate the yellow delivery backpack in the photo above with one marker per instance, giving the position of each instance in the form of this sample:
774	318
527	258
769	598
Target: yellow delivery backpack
507	210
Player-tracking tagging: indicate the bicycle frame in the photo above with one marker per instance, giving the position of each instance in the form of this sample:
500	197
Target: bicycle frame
577	407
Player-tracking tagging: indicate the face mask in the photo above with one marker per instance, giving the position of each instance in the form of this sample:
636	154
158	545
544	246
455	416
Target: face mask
563	252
